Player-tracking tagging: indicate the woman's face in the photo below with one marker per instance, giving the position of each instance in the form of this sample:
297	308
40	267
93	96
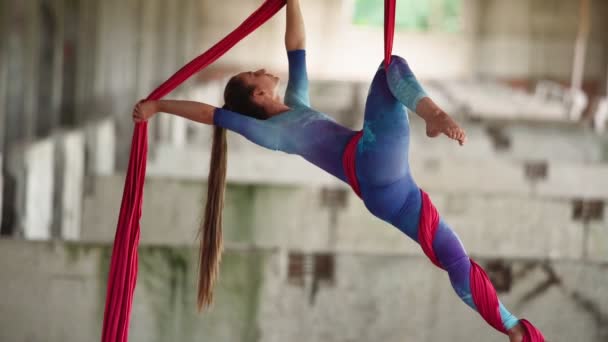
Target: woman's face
265	83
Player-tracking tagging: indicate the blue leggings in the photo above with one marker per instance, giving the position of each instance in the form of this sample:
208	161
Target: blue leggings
387	187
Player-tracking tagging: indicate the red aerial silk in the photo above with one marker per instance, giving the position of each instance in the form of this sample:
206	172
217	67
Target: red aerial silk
484	294
389	30
348	162
123	266
482	290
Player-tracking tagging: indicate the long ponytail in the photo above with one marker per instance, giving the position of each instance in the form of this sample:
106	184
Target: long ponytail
211	244
237	97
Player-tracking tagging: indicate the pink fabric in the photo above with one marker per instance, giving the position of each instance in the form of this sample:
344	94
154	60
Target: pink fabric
484	297
348	162
532	334
389	30
484	294
429	221
123	265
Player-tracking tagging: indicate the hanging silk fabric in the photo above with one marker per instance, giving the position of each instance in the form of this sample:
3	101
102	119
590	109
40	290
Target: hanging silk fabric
123	265
389	30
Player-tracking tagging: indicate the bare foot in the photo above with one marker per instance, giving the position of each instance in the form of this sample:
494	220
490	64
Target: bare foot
443	123
437	121
516	334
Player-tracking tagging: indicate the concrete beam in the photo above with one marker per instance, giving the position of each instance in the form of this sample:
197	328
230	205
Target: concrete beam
72	148
32	166
499	226
101	147
486	176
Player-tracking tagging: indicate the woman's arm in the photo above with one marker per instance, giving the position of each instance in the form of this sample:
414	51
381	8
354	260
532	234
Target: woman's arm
261	132
295	36
195	111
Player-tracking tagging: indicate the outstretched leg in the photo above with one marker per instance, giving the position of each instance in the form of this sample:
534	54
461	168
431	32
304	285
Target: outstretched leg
382	155
388	189
454	259
382	152
405	87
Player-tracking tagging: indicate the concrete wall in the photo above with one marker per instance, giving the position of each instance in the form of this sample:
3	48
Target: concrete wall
33	168
70	192
47	287
67	302
47	180
490	224
525	39
3	93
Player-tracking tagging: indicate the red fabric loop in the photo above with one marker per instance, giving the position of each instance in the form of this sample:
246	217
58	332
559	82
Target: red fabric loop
348	162
427	227
123	265
532	334
482	290
484	297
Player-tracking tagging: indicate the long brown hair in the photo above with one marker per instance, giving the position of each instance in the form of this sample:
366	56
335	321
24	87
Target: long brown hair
237	98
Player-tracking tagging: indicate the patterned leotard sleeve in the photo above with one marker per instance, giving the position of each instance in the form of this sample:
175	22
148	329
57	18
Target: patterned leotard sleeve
302	130
261	132
297	87
267	133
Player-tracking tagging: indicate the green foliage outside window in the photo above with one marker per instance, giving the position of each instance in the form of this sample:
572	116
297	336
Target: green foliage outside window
411	15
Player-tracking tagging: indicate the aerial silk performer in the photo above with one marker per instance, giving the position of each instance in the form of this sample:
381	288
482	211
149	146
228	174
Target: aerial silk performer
373	161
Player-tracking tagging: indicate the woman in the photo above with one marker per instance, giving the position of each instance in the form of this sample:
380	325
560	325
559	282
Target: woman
254	109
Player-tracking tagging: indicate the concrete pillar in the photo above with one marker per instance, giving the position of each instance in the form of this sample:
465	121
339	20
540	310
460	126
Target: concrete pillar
32	68
210	92
101	147
32	166
71	147
14	65
115	80
149	57
178	131
161	128
3	71
601	115
3	86
86	59
49	59
580	46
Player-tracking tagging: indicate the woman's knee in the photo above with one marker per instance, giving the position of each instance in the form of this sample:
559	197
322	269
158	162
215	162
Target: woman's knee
400	65
403	83
395	59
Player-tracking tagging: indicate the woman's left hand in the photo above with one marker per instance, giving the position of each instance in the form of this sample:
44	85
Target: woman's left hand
144	110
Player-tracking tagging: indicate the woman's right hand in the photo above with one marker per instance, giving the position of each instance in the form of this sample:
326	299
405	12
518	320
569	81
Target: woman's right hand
144	110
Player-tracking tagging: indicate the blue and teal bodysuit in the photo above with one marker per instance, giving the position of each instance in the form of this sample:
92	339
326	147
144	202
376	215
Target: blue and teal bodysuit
387	187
